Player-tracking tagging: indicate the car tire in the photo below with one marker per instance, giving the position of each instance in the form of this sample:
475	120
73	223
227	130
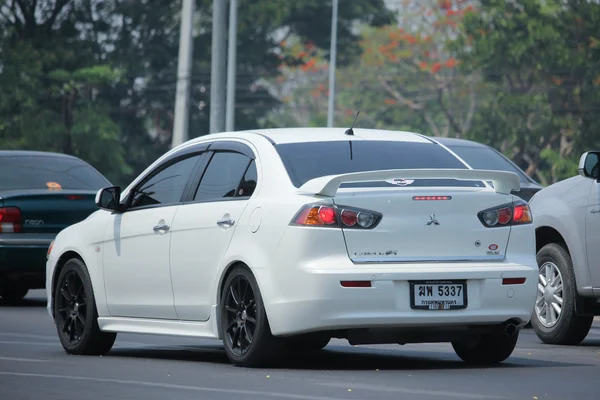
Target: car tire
244	326
568	328
308	342
75	312
486	349
13	294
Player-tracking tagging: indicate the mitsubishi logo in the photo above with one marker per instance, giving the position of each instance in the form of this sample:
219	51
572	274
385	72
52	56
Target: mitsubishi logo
432	220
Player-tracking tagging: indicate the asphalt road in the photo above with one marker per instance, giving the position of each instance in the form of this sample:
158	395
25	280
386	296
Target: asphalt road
33	365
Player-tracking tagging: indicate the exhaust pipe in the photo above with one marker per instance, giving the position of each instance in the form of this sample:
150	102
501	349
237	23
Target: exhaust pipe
510	329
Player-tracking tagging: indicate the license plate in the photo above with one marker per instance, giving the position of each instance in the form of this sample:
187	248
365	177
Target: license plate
438	295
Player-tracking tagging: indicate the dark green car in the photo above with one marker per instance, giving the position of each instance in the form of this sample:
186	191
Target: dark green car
40	194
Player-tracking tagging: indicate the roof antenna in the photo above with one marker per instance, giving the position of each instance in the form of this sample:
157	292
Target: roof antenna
350	131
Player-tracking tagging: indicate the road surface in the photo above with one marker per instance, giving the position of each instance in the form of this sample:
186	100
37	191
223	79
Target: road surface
33	365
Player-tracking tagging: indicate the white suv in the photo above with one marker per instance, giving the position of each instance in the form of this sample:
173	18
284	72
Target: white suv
567	220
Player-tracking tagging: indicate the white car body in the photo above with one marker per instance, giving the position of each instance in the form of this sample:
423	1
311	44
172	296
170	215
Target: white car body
170	283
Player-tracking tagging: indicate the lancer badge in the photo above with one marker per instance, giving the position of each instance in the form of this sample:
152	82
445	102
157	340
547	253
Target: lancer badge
432	220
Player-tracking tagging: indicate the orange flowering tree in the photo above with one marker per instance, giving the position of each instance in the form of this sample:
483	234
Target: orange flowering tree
405	77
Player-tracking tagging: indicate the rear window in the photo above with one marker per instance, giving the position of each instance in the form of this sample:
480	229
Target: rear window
43	172
306	161
486	158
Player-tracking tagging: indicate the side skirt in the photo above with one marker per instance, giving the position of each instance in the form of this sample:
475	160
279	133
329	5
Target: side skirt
198	329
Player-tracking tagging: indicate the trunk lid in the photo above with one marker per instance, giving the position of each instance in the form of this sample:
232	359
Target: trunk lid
425	230
47	211
412	230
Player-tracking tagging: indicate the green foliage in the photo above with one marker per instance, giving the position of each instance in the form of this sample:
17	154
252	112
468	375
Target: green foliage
96	78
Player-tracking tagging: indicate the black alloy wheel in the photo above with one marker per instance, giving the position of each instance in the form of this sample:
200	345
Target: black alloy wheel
240	305
75	312
72	308
244	325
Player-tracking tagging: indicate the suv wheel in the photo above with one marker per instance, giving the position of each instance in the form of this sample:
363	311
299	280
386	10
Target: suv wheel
554	319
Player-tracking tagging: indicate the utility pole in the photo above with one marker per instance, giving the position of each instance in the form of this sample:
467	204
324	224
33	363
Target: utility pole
218	66
231	66
332	59
184	72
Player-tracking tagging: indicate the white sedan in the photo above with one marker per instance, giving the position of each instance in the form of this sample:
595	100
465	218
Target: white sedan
279	240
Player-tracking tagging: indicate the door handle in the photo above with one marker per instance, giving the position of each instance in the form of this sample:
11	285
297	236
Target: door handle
161	229
226	222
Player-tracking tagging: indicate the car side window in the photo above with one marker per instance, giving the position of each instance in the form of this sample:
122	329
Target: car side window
248	183
165	187
223	177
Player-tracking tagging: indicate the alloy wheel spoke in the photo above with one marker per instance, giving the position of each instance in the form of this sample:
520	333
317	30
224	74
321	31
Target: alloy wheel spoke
71	284
541	288
540	302
230	309
65	294
71	330
231	326
235	300
549	273
556	309
559	289
558	299
236	337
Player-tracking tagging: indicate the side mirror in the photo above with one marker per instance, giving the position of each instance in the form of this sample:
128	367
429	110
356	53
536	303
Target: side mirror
589	165
109	199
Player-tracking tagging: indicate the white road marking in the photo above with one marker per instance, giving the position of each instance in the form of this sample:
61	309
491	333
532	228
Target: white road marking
23	359
174	386
29	343
27	335
427	392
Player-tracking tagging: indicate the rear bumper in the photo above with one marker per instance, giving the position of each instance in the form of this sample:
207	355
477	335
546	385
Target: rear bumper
23	256
312	299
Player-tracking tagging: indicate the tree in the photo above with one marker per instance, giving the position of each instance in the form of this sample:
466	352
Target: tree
540	57
99	76
405	77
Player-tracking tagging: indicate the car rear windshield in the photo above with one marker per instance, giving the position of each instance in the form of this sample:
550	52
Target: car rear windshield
47	172
485	158
309	160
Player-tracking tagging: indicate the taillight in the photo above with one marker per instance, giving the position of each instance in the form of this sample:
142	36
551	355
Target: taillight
10	220
517	213
336	217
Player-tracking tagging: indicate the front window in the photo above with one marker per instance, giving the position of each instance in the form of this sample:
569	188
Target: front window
306	161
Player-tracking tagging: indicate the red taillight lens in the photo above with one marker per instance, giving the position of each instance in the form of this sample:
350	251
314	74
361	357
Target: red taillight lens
10	220
349	217
507	215
513	281
327	215
504	215
75	197
355	284
336	216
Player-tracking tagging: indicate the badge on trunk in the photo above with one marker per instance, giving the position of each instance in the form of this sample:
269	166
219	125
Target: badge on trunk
432	220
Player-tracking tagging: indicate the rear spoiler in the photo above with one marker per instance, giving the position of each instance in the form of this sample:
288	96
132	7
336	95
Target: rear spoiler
504	182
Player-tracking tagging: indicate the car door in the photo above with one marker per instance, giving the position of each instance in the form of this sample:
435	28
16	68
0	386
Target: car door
136	249
204	227
592	231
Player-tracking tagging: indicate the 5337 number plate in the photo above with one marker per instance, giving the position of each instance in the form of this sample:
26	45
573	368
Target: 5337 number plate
438	295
